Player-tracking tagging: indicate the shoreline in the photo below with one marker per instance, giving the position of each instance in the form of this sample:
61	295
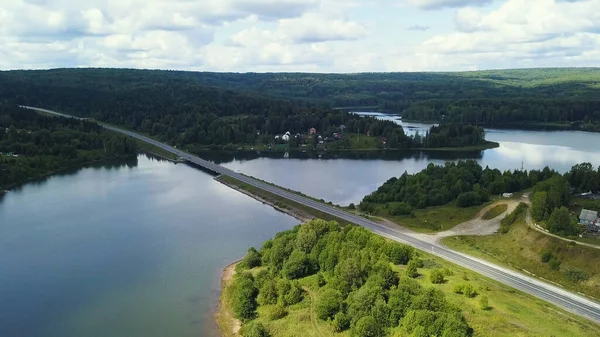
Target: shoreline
303	217
227	324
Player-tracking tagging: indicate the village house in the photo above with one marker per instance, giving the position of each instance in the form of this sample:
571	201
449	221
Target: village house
590	220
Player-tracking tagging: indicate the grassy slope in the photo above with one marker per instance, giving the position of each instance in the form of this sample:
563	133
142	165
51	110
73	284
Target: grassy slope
432	219
513	313
495	212
521	249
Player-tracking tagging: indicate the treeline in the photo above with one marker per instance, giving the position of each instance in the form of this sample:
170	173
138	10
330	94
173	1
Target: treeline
357	289
499	111
32	145
584	178
454	135
464	182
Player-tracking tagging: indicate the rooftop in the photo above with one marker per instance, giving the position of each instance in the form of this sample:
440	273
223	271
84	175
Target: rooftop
588	215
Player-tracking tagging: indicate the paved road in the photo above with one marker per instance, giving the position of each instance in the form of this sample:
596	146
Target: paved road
558	296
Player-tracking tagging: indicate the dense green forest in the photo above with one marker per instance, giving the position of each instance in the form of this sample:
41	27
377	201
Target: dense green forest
180	109
32	145
358	289
514	98
464	182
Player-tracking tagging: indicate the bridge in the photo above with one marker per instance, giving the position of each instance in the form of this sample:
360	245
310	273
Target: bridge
567	300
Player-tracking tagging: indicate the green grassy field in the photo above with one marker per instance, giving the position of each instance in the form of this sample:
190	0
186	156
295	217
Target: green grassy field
511	312
432	219
495	212
522	247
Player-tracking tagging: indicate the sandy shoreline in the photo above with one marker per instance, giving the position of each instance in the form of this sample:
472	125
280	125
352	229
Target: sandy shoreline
228	325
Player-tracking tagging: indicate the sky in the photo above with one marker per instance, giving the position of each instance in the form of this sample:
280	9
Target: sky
300	35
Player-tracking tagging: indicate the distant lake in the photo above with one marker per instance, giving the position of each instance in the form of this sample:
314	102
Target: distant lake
343	178
125	249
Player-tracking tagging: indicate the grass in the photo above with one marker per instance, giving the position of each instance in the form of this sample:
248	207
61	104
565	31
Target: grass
432	219
521	249
511	313
495	212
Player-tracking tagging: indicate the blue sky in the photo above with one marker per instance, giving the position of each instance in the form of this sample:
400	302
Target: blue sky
300	35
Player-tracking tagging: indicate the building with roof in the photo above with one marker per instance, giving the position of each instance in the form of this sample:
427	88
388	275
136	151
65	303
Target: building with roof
590	220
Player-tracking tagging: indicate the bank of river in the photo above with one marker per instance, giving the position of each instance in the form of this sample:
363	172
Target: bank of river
123	249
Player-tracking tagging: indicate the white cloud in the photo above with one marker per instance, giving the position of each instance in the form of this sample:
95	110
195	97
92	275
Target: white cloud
439	4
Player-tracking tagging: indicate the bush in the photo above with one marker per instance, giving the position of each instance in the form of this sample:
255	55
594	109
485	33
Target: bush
554	264
251	260
398	253
437	276
341	322
290	293
243	299
468	199
469	291
255	329
401	208
366	327
458	288
351	206
277	312
268	293
576	275
483	303
321	280
329	304
411	268
546	256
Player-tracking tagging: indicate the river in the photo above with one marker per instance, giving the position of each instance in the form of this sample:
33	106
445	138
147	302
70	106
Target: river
135	248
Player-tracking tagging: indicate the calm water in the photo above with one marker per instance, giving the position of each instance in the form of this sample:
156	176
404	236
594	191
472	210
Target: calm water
136	249
346	178
123	251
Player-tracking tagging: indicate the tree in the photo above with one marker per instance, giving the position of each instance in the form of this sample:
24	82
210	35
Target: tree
255	329
252	259
560	222
483	303
244	297
268	293
539	205
411	268
297	265
341	322
367	327
329	304
437	276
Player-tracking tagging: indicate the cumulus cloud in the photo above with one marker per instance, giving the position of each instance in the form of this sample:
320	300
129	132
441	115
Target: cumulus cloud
438	4
418	28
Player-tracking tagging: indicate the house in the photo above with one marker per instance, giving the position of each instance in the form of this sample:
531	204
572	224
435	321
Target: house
313	131
286	137
589	219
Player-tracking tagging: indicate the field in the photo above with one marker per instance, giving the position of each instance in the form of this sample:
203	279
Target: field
495	212
511	312
432	219
522	249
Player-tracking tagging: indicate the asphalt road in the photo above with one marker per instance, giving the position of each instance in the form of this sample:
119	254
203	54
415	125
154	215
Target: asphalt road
569	301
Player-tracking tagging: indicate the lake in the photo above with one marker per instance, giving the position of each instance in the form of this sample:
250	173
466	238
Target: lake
122	250
345	178
135	248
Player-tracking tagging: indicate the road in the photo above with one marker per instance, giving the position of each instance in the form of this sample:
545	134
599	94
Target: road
569	301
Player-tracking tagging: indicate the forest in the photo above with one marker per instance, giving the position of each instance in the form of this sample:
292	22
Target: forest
515	98
464	182
178	108
358	291
32	145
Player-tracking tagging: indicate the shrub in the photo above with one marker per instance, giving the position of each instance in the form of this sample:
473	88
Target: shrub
576	275
341	322
401	208
458	288
469	291
268	293
277	312
351	206
243	299
366	327
290	293
252	260
255	329
437	276
329	304
554	264
468	199
411	269
321	280
483	303
546	256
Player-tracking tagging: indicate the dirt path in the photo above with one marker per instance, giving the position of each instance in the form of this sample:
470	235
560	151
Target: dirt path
313	315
